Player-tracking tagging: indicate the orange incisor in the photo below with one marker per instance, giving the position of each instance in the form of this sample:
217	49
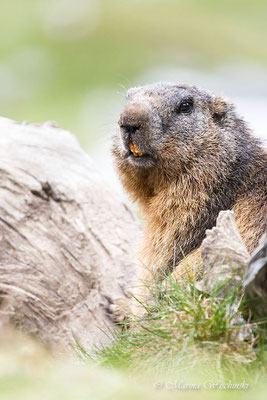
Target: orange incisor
135	151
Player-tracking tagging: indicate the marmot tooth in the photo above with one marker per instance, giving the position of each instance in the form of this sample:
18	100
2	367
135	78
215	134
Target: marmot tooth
135	151
132	148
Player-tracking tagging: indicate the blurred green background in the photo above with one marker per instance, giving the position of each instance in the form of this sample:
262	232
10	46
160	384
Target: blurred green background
71	61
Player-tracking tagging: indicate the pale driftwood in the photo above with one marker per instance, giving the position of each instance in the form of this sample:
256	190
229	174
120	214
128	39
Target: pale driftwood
229	269
224	256
255	282
66	241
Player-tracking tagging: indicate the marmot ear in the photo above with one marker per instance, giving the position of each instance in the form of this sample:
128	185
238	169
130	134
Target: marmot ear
218	108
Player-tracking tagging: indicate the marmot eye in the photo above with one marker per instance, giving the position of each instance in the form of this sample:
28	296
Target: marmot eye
185	107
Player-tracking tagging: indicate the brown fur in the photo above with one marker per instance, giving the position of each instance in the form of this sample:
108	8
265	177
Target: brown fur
198	164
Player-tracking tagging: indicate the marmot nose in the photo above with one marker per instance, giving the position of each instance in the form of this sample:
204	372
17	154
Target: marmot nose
129	129
133	118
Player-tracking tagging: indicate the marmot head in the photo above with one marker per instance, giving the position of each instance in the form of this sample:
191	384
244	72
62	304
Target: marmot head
171	129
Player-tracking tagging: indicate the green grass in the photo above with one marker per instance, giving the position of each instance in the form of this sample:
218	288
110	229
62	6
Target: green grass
188	339
191	335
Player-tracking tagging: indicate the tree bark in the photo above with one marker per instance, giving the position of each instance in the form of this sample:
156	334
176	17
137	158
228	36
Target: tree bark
66	241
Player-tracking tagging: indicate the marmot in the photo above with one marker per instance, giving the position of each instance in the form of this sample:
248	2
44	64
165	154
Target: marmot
183	154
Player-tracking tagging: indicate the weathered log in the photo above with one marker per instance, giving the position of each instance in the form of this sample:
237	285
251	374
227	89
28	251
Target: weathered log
255	282
224	256
228	269
66	241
